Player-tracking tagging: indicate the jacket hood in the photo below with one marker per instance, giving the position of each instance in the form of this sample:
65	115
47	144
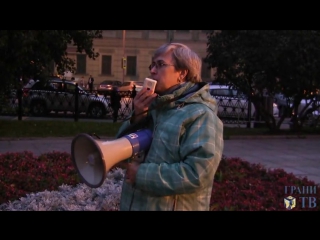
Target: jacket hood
190	93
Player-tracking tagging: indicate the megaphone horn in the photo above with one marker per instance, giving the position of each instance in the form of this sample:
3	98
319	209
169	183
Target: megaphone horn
93	158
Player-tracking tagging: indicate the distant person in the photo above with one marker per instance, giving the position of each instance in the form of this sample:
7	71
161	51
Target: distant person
133	94
115	99
90	83
134	91
82	82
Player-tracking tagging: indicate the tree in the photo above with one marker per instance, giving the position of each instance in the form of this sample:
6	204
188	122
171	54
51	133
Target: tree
267	61
32	52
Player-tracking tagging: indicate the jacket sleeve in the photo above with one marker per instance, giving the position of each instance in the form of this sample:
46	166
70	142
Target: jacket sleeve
125	125
198	163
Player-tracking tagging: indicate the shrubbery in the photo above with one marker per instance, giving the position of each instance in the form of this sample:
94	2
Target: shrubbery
239	185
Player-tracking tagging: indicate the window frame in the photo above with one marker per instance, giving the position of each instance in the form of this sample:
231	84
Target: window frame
131	70
81	64
106	64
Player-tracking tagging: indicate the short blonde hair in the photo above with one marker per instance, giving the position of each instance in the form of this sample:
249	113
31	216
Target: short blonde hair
184	59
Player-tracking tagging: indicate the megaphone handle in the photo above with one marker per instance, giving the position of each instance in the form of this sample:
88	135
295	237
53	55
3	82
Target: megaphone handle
95	135
133	158
138	157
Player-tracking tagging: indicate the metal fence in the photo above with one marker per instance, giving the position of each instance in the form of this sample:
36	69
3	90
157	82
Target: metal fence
76	105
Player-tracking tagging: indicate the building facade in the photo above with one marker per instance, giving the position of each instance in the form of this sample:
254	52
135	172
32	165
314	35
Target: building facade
134	49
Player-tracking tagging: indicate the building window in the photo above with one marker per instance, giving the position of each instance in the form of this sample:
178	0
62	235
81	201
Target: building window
131	65
205	71
106	65
81	64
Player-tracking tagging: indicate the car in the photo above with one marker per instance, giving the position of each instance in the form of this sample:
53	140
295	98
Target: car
108	85
307	106
128	86
232	103
28	85
285	104
59	96
309	110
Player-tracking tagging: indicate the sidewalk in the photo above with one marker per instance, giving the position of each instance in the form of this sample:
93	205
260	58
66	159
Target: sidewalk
301	156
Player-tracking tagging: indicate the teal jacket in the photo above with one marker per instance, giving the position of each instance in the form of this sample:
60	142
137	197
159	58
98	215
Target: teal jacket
178	170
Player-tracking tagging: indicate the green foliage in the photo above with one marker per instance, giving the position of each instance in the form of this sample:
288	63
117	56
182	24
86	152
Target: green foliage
267	61
285	60
32	52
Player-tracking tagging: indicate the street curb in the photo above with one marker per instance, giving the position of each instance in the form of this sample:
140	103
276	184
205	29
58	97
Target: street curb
274	137
47	138
106	138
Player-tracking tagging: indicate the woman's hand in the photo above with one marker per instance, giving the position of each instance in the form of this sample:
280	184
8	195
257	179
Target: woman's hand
141	103
132	169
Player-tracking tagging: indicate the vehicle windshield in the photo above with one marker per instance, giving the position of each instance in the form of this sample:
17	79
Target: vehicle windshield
227	92
106	83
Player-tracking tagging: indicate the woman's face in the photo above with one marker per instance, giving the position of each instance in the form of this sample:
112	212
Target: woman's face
163	71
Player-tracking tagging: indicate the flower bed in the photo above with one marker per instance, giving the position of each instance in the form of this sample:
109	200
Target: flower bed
242	186
50	183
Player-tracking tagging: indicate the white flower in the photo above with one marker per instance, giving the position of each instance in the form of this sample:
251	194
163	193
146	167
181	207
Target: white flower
78	198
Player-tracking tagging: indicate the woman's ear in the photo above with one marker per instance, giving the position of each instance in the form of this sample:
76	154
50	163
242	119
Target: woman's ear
183	74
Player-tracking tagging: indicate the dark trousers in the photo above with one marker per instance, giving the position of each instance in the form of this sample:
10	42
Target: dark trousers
115	114
90	87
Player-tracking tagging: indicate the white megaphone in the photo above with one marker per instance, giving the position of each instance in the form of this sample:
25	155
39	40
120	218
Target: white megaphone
93	158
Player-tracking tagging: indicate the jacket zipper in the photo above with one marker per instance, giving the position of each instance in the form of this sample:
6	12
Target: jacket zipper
180	105
174	203
154	129
132	199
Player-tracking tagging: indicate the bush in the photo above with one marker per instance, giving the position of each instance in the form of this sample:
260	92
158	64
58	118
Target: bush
23	173
242	186
238	185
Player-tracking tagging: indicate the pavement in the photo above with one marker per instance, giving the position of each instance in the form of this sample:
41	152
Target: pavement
297	155
300	156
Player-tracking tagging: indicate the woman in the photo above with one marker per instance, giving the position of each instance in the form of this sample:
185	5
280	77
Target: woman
178	170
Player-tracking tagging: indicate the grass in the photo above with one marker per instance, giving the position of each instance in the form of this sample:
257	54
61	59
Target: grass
51	128
58	128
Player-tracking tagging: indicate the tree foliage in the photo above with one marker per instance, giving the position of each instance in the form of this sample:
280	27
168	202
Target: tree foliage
33	52
267	61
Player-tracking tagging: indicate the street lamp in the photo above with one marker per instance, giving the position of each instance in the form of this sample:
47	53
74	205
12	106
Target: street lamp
124	60
170	35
